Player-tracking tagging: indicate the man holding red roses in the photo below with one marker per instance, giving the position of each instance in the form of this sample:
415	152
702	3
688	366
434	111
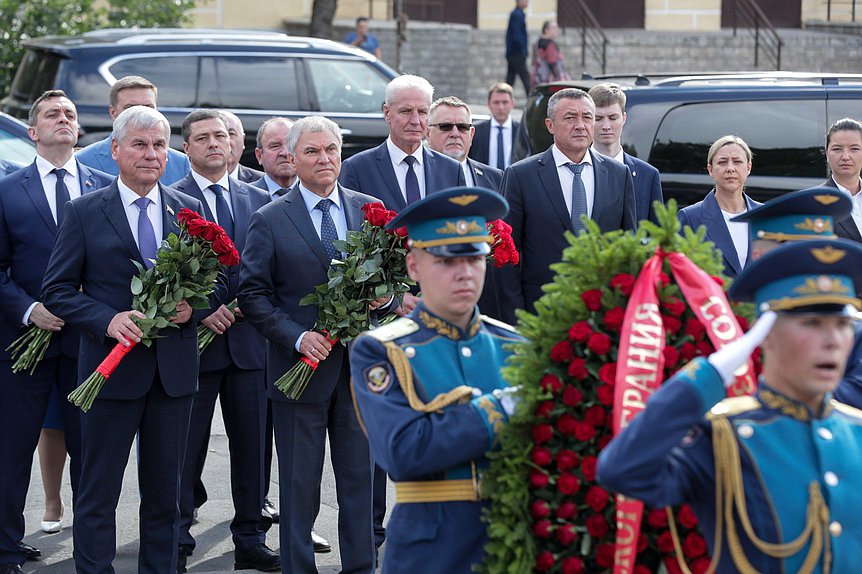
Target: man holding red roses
150	394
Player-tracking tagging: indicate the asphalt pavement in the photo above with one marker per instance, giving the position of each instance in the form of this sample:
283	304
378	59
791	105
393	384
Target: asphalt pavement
214	552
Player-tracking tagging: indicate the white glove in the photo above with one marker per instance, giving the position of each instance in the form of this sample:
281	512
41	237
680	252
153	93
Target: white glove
508	398
732	356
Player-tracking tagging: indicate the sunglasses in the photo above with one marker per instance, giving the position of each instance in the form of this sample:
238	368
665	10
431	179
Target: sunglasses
447	127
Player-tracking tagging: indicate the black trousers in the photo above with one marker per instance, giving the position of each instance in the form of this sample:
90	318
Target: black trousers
518	66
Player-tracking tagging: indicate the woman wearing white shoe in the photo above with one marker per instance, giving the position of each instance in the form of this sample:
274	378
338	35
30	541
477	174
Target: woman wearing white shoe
52	460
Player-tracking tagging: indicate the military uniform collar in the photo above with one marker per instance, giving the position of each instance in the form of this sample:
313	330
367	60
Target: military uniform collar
774	400
443	327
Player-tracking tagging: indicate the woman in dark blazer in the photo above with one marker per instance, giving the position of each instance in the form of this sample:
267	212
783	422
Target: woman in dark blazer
729	163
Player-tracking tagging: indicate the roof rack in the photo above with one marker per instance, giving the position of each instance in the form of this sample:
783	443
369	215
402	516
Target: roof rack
714	78
147	35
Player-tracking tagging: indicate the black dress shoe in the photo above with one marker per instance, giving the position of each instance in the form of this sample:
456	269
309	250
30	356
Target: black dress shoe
10	569
269	508
182	558
31	552
321	546
259	557
265	521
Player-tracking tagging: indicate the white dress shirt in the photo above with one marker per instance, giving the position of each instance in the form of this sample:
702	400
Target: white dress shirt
738	234
468	173
396	155
49	181
154	210
567	178
209	195
507	143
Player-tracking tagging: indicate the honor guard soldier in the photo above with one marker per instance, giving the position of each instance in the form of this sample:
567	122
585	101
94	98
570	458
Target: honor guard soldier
428	387
771	477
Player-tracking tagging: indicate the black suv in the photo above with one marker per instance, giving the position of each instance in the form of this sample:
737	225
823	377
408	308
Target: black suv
256	75
672	121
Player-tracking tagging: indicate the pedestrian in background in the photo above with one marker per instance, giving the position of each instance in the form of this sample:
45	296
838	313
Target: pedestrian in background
547	57
516	46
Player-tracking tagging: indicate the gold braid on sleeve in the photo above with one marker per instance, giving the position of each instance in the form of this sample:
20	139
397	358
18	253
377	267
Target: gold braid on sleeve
730	495
401	365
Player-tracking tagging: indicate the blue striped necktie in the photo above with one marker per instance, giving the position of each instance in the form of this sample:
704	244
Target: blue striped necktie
579	197
328	233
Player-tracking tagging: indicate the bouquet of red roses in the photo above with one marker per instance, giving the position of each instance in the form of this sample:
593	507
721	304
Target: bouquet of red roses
503	251
186	267
374	266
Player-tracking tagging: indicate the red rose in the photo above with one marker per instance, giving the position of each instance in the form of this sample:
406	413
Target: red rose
567	510
211	231
694	328
542	433
597	498
588	467
376	214
568	483
541	456
718	280
671	324
603	441
567	534
597	526
743	322
624	282
544	561
580	332
671	356
551	383
544	409
229	259
539	509
567	425
222	244
704	348
643	542
592	299
694	545
613	320
599	344
657	518
674	306
687	351
578	368
196	227
573	565
400	231
605	394
572	397
595	415
700	566
663	279
672	565
542	529
538	479
562	352
605	555
686	516
664	543
584	431
640	568
185	215
567	459
608	373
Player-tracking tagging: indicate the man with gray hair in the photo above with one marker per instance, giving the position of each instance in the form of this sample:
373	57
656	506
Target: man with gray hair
271	152
150	394
236	134
125	93
293	233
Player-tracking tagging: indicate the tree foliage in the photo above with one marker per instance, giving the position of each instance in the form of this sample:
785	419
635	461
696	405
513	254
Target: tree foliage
21	20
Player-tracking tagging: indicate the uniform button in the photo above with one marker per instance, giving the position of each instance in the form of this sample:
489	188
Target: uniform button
745	431
835	528
410	352
831	478
466	352
824	433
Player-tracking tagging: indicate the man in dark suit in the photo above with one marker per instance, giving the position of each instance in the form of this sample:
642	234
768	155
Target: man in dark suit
30	201
517	46
232	366
150	394
495	138
287	254
450	132
550	192
610	103
271	152
236	132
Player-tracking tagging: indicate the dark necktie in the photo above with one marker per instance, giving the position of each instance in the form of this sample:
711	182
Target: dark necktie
579	197
501	157
225	219
146	235
328	233
281	192
412	182
61	193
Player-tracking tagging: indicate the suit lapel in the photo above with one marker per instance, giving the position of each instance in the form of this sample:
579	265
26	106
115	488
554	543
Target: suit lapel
116	214
551	183
85	178
33	186
847	224
384	166
170	208
241	212
295	208
430	172
601	189
717	231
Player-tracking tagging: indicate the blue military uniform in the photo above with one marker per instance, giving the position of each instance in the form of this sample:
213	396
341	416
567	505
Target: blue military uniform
427	394
787	475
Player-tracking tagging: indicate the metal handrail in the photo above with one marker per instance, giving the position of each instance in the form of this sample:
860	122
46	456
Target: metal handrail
766	38
593	37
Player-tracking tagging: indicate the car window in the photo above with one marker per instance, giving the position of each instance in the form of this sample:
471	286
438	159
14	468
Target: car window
176	77
36	74
841	108
13	148
784	136
250	82
347	86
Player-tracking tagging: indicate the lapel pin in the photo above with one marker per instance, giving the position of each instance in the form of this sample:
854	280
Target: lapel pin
169	208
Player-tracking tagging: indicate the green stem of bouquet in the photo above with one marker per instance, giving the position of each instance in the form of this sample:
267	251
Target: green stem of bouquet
29	349
206	335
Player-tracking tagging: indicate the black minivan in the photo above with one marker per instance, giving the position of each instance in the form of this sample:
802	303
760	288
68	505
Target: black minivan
254	74
672	121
